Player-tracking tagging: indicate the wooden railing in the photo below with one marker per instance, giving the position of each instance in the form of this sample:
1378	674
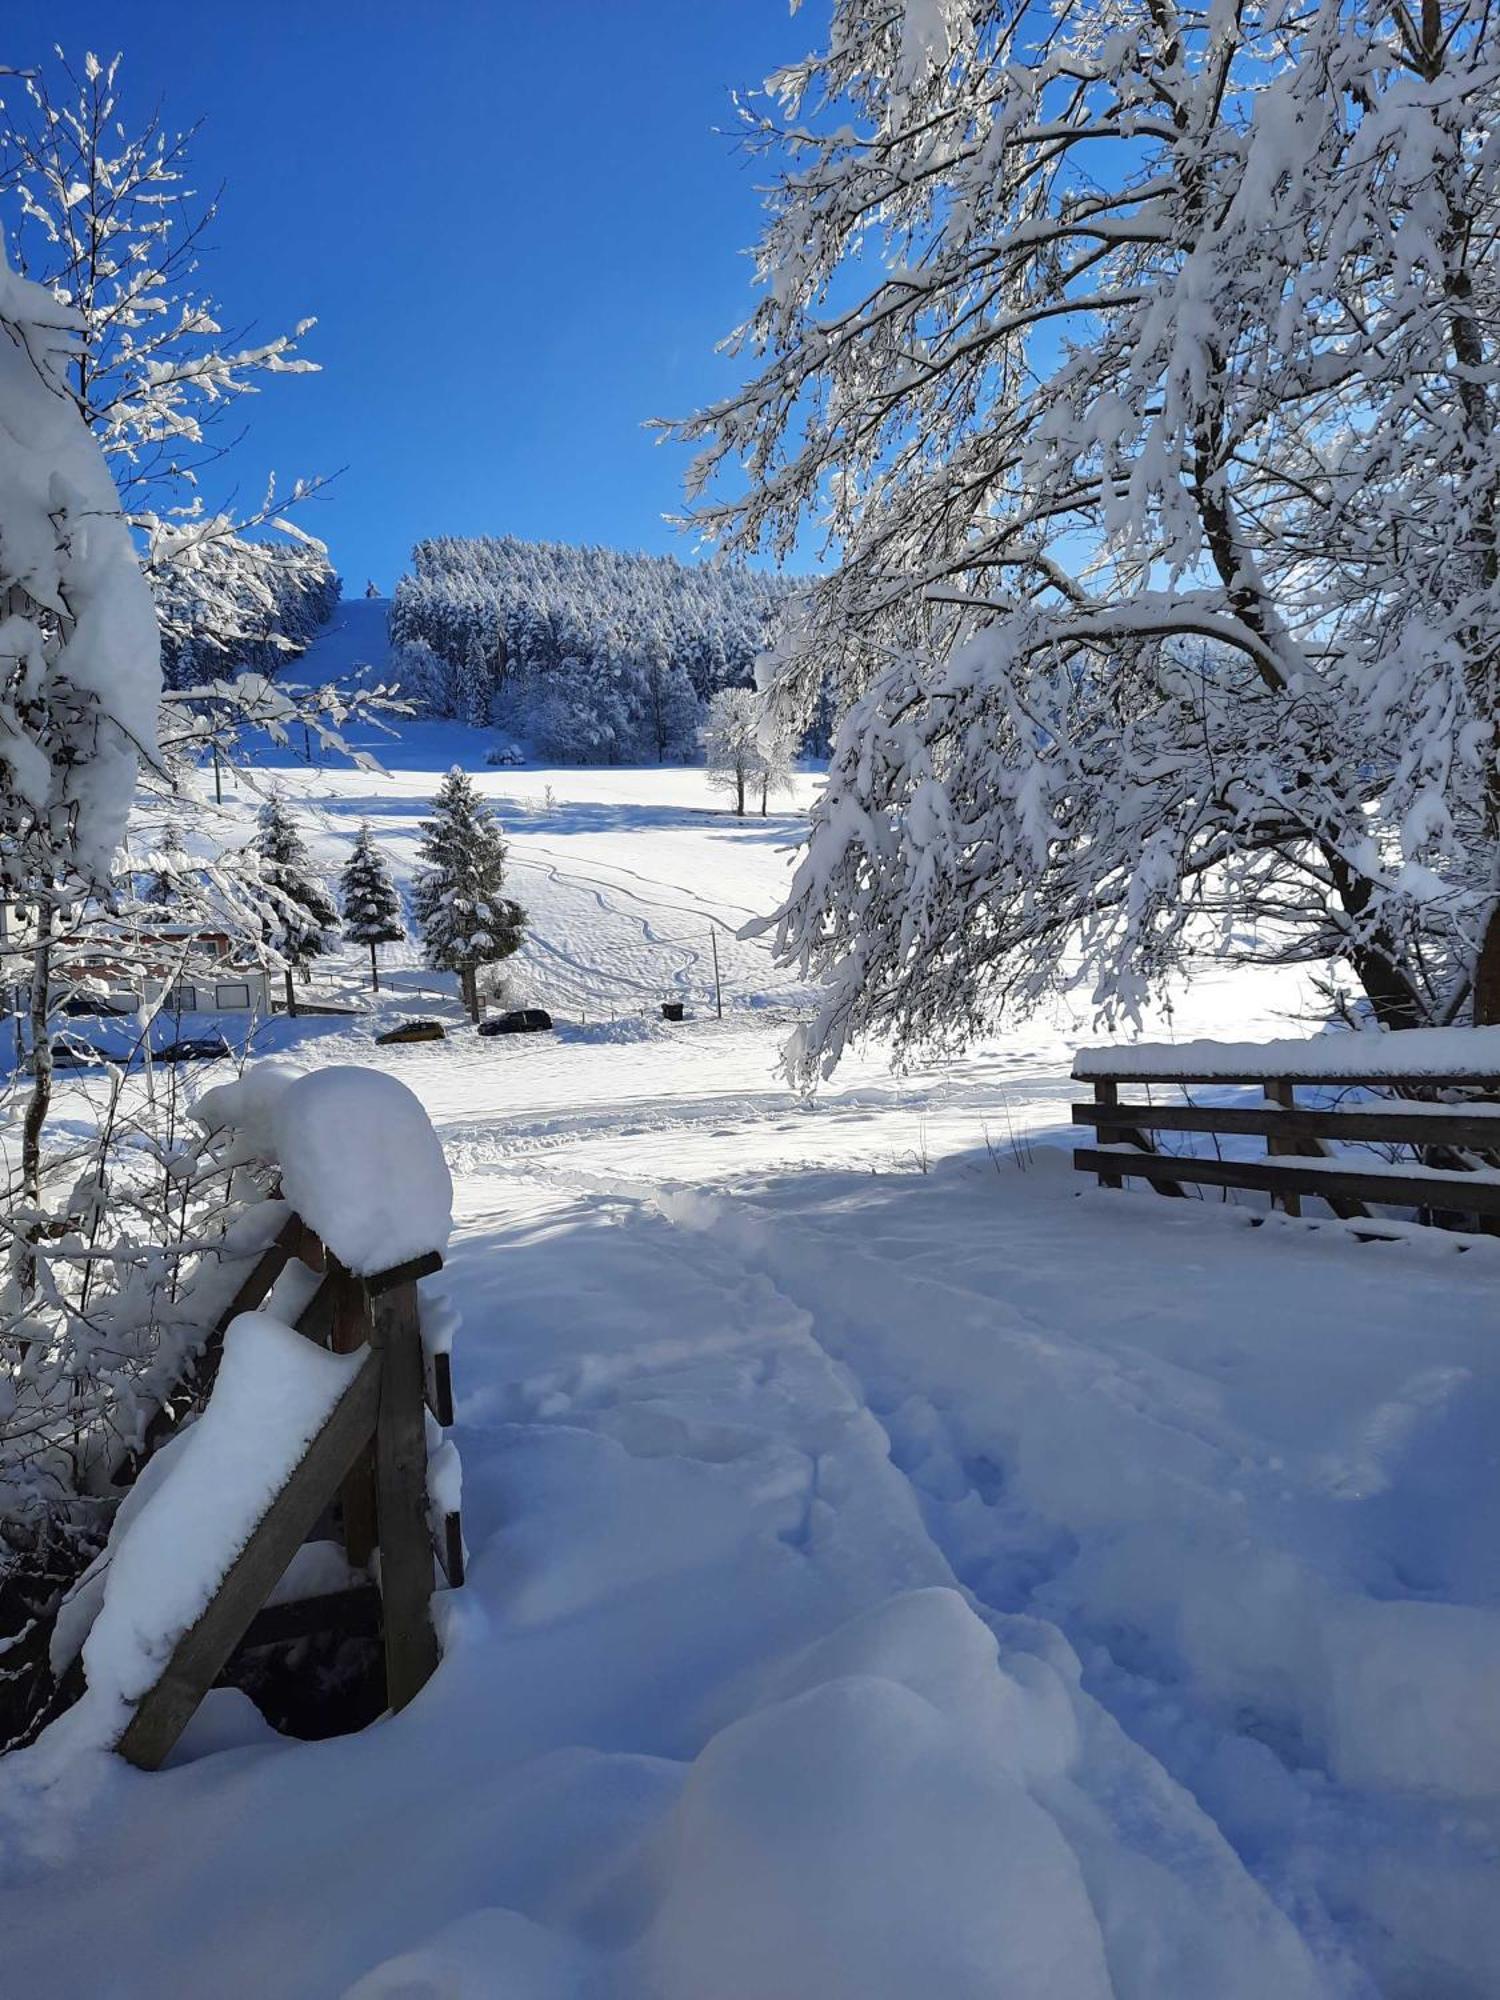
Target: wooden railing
1455	1145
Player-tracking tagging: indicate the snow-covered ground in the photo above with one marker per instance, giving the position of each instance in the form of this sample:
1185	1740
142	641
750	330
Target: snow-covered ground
897	1569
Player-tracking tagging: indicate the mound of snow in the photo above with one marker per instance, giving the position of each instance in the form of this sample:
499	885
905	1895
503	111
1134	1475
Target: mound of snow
361	1164
629	1028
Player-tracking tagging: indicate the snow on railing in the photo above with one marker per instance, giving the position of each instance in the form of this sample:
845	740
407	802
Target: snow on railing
206	1539
1458	1055
1453	1169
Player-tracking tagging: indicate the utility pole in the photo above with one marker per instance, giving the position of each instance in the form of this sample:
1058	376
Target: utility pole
713	938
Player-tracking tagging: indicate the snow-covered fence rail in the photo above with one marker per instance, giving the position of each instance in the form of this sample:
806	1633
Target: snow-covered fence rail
1434	1083
316	1399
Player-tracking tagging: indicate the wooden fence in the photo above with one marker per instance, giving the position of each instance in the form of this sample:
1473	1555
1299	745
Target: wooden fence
1451	1173
364	1475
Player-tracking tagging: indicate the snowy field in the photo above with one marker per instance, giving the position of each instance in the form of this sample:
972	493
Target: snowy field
897	1569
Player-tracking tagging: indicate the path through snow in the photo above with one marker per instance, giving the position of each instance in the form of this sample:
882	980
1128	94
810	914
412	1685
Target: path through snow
885	1581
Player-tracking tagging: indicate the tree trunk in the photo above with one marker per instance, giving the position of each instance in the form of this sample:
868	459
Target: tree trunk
291	995
40	1100
1487	974
765	792
469	987
739	791
374	969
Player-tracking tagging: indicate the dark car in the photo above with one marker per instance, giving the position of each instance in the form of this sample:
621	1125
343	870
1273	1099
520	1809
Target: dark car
519	1021
70	1054
195	1048
414	1031
91	1005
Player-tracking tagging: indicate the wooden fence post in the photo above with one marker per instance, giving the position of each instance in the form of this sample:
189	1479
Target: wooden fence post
1108	1094
1285	1096
406	1558
165	1710
357	1503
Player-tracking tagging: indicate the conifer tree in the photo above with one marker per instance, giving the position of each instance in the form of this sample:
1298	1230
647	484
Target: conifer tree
165	883
475	685
466	919
372	909
301	918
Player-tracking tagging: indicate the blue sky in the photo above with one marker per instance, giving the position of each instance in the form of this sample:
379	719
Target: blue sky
513	219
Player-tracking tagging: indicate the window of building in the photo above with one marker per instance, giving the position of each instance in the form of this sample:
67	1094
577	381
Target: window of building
235	995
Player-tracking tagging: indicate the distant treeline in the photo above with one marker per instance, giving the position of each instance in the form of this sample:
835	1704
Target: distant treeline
587	654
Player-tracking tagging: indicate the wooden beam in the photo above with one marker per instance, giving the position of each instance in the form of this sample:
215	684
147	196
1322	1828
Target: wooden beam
1489	1084
451	1551
352	1614
1106	1098
317	1316
1409	1128
406	1558
350	1329
425	1266
440	1389
1277	1143
198	1658
1448	1194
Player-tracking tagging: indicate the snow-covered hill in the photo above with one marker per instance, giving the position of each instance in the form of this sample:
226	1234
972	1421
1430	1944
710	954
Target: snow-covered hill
896	1571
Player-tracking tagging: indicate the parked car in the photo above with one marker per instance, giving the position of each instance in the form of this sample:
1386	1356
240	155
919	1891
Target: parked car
69	1053
92	1004
519	1021
195	1048
414	1031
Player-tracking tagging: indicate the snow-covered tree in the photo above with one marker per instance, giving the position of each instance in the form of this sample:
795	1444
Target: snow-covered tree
670	703
301	920
1145	357
372	908
776	744
109	218
466	919
163	887
231	603
731	745
80	667
476	682
106	216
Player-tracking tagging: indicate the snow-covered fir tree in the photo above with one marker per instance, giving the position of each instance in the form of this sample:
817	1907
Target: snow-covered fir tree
731	748
1143	363
301	920
466	919
163	886
371	906
476	684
